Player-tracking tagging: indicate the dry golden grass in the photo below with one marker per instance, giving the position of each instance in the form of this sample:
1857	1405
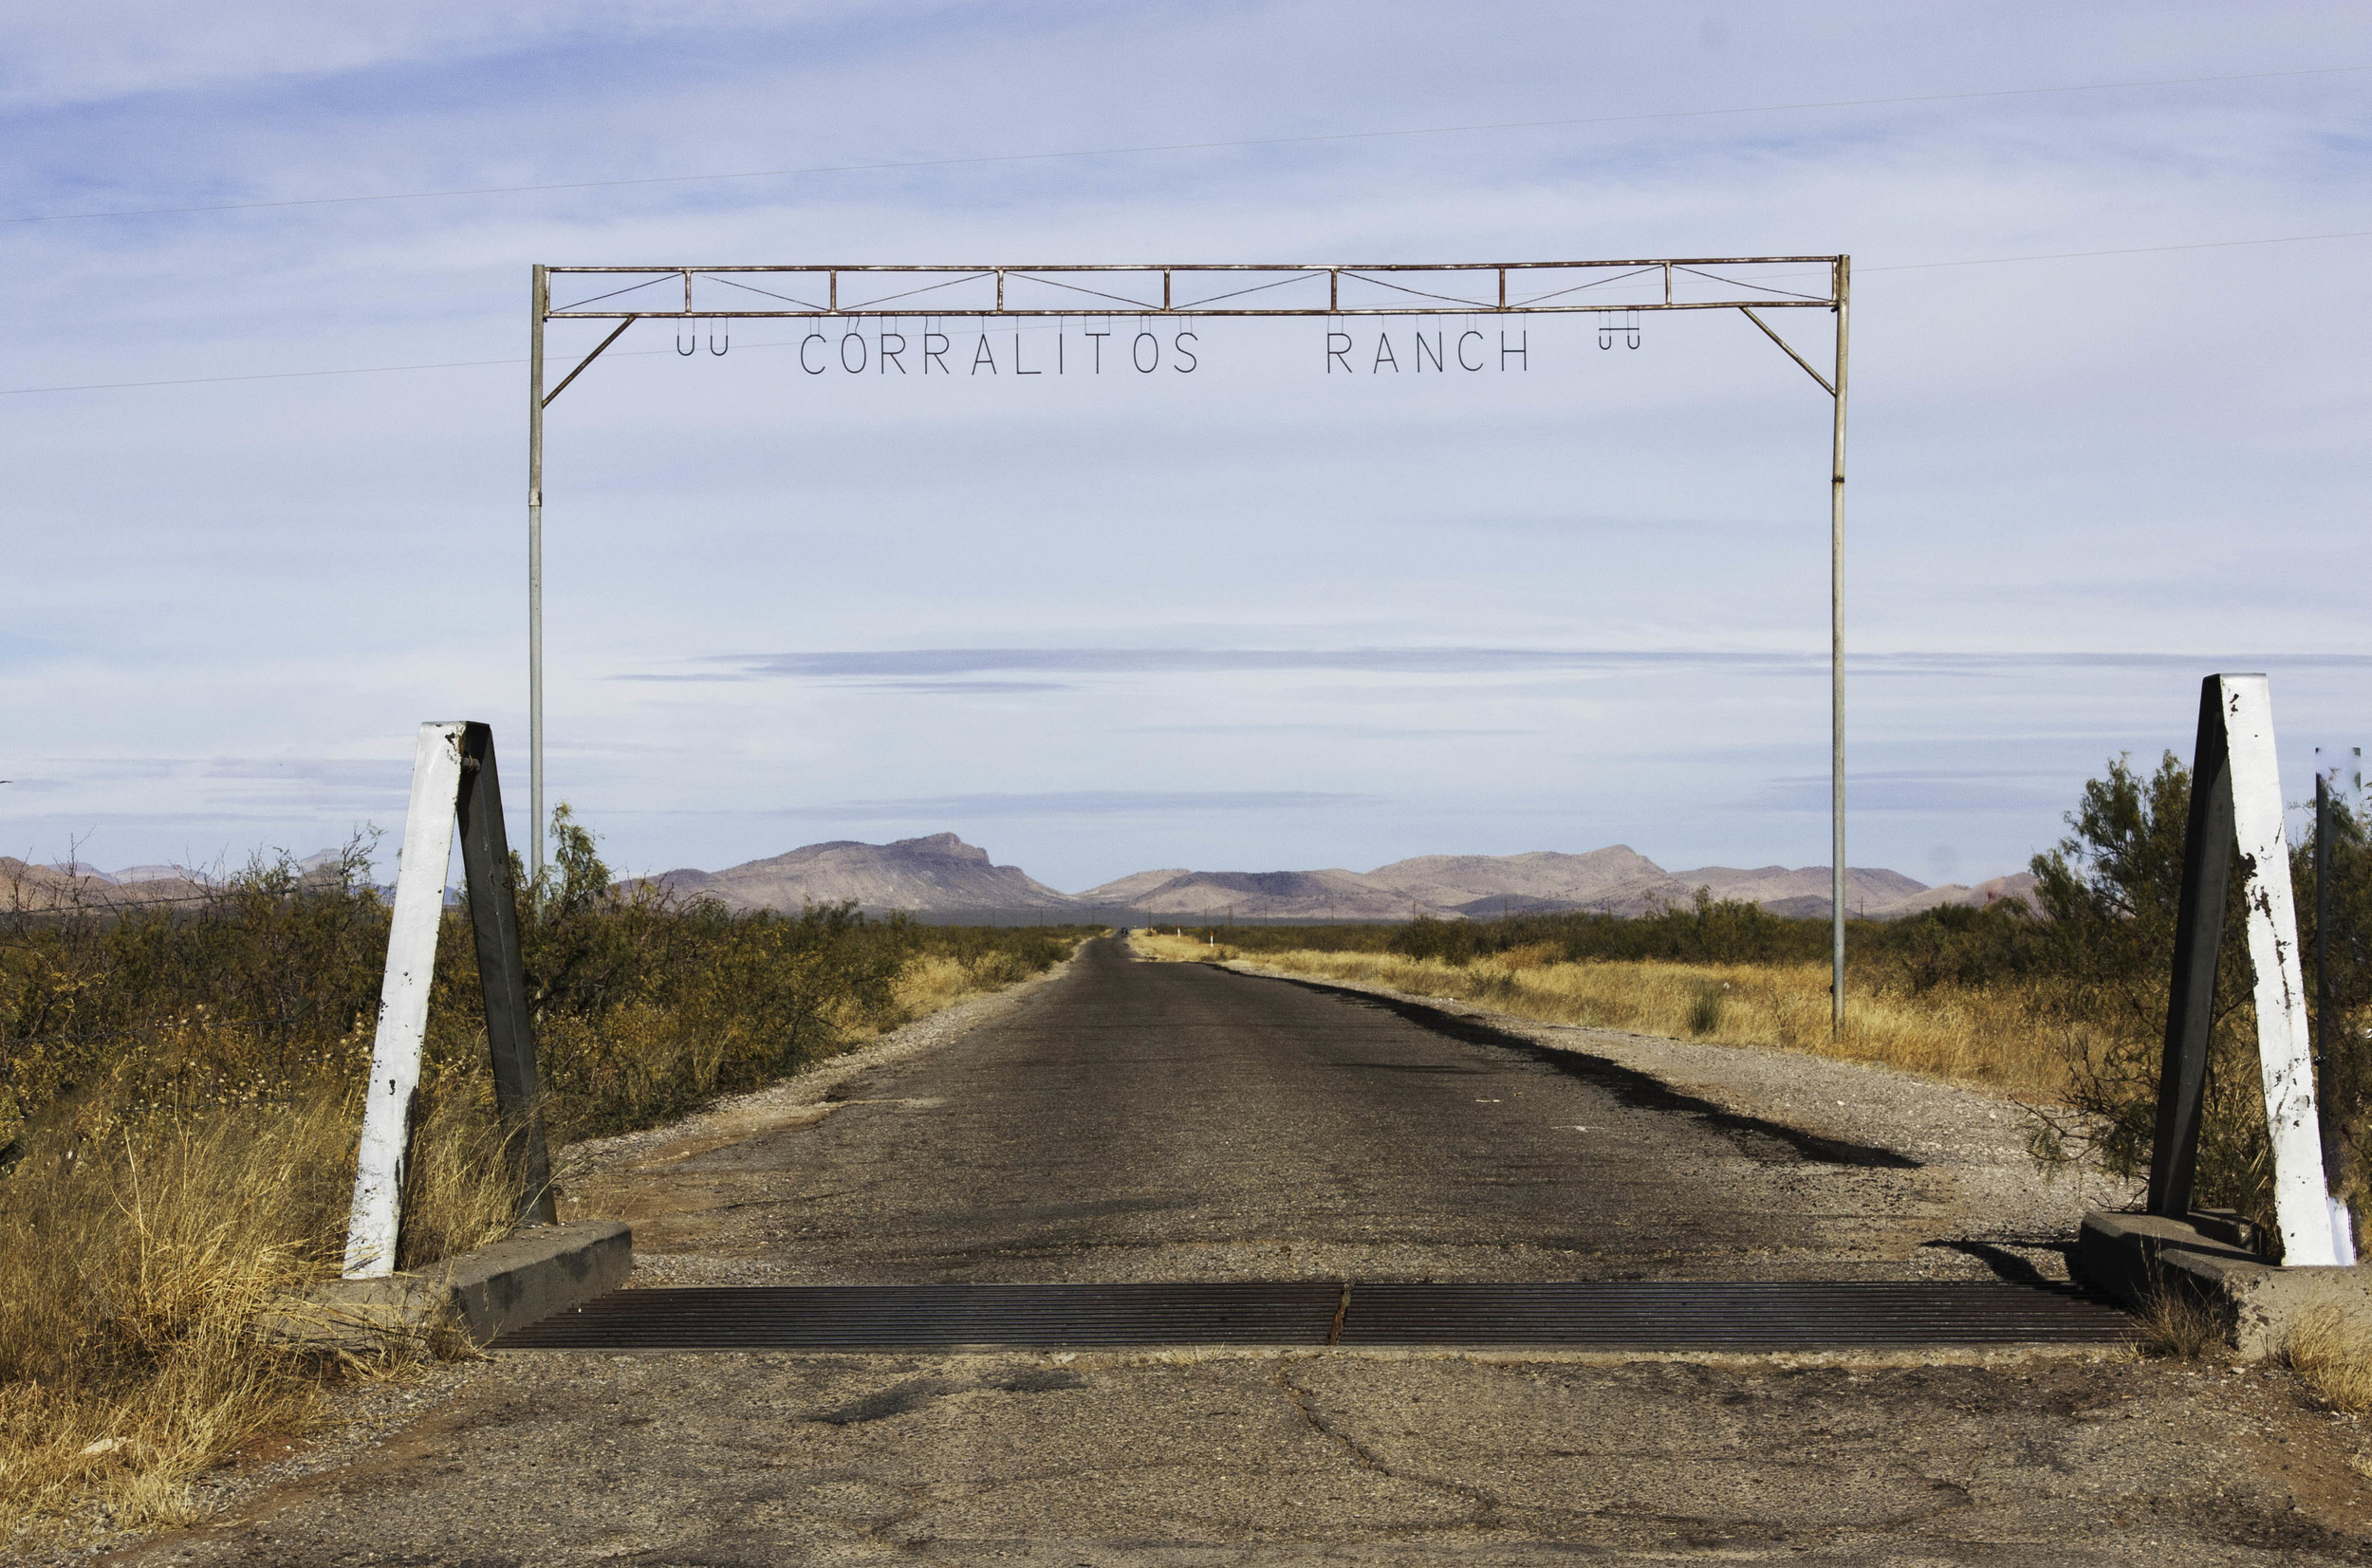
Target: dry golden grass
2177	1324
138	1247
934	981
1179	950
2332	1353
1991	1038
138	1255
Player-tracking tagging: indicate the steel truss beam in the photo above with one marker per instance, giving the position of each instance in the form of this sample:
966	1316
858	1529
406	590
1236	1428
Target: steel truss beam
1210	290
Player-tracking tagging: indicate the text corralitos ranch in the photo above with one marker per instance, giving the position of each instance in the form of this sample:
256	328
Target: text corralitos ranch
1146	353
1468	351
1001	353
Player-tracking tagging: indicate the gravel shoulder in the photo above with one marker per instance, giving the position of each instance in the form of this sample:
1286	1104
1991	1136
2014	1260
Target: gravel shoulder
2014	1218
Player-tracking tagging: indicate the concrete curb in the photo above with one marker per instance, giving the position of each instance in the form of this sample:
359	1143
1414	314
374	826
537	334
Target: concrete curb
2135	1256
517	1280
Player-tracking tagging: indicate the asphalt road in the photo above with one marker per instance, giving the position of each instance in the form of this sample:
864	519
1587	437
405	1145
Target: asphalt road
1134	1121
1172	1121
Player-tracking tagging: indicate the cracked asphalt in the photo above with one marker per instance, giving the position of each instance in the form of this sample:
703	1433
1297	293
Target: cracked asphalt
1135	1121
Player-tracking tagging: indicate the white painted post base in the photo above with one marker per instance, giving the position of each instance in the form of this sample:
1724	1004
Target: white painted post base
428	828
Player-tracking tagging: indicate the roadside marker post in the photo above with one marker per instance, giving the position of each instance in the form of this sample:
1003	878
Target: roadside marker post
2236	809
454	785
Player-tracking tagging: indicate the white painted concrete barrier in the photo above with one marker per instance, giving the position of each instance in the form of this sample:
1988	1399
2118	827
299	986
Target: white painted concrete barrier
428	828
2311	1223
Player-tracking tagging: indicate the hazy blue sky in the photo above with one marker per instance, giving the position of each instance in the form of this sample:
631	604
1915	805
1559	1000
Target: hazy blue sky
1253	618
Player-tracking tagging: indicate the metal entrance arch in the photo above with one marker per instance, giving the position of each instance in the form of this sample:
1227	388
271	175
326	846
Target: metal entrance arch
1615	291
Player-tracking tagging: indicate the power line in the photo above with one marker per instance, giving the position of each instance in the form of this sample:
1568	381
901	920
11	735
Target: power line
632	353
887	166
2135	250
264	375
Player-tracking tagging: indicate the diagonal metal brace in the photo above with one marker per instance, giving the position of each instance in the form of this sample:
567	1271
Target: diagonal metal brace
630	321
1746	310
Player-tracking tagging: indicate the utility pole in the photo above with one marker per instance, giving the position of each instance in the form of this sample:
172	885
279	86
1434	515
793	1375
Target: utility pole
2325	1091
1836	663
542	291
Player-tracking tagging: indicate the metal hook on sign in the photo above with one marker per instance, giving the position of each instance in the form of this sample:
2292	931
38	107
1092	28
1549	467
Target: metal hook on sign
687	347
1630	327
728	341
1606	332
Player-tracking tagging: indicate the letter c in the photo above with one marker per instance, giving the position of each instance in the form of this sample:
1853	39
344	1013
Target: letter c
1461	348
811	338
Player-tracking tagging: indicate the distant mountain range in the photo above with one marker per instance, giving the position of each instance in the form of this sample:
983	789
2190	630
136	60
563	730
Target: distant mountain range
943	875
35	887
72	884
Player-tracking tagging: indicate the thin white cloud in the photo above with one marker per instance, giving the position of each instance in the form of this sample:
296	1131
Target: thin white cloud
2149	460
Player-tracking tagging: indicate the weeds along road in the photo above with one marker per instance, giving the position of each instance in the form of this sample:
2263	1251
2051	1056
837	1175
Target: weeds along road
1133	1121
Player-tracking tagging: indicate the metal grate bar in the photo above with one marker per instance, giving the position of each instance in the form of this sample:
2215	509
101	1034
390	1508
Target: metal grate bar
1636	1314
1607	1314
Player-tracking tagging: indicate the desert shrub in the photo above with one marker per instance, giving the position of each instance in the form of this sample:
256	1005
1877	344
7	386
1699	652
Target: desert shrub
268	989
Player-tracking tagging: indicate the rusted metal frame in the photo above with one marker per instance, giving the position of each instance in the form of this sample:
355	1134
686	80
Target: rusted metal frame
1557	294
1255	288
1135	307
1459	303
838	309
1747	311
587	361
540	294
1224	266
1841	287
1182	311
1758	288
752	288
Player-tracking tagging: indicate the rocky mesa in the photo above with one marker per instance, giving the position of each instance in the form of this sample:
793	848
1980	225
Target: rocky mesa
943	875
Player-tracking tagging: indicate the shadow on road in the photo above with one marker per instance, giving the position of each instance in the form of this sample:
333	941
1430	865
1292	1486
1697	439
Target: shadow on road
1756	1136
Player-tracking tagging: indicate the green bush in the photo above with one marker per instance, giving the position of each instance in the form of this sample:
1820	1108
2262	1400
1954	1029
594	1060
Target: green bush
267	990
